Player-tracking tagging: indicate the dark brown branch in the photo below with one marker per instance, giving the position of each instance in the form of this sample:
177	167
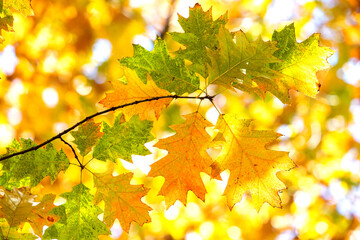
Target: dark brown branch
97	114
167	21
73	150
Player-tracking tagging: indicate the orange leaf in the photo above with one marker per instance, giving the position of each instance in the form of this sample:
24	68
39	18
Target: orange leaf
252	166
136	90
40	216
186	158
122	200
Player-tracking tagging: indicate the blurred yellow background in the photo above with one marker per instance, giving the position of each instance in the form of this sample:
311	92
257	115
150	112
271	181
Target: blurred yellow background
55	67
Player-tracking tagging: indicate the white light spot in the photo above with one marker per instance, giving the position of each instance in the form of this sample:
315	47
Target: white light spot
7	134
8	60
302	199
234	232
116	230
14	116
321	227
50	97
207	229
144	41
193	236
172	213
101	50
60	126
350	72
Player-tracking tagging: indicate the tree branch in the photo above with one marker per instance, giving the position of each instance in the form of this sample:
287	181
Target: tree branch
97	114
73	150
167	21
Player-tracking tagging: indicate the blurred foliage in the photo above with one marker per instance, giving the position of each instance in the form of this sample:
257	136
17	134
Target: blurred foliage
54	68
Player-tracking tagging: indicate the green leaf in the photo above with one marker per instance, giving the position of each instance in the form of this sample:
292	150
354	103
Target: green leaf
300	62
78	217
199	34
30	168
86	136
124	139
241	63
168	73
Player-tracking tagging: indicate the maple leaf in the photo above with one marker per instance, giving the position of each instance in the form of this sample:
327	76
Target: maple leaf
122	200
300	62
252	166
199	34
186	158
86	136
241	63
168	73
30	168
40	216
78	217
6	18
123	139
136	90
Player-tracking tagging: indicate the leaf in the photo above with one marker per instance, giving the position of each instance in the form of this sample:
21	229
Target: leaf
168	73
186	158
40	215
300	62
6	16
199	34
23	6
252	166
12	234
15	205
86	136
241	63
30	168
123	139
78	217
122	200
135	90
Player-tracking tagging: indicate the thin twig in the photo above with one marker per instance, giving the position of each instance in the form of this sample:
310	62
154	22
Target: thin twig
167	21
97	114
73	150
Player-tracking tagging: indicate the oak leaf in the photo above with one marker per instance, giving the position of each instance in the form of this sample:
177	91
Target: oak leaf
199	35
136	90
30	168
241	63
124	139
167	72
78	217
15	205
86	136
186	158
122	200
300	62
40	215
253	167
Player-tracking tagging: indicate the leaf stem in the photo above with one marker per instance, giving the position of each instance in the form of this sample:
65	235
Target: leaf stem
58	136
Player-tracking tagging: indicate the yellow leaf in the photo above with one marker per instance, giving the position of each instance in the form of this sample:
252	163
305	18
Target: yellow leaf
252	166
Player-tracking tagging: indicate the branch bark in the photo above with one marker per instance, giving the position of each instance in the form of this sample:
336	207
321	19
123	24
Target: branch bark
59	136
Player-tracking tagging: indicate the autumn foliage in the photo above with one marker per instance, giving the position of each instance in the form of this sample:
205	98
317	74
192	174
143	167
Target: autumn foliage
209	60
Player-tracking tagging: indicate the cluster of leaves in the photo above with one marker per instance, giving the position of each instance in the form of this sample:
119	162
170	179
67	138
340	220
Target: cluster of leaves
151	82
6	16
